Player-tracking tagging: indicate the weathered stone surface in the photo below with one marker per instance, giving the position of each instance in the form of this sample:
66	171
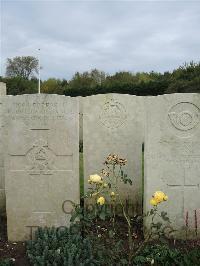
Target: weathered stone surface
42	162
80	118
172	158
113	123
2	88
2	175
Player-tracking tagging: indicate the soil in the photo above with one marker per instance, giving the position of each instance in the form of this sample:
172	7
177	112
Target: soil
11	250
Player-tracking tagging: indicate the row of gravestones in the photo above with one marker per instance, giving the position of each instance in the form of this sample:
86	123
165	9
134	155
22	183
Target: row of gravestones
39	155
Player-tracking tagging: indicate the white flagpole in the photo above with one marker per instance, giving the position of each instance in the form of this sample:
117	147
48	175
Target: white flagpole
39	72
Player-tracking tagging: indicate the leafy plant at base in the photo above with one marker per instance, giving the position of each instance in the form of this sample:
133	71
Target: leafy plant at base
6	262
192	257
102	191
158	255
157	228
105	189
67	247
163	255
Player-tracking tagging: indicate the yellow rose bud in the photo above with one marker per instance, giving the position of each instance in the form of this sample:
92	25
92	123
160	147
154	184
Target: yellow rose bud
94	194
101	200
95	179
105	185
153	202
112	194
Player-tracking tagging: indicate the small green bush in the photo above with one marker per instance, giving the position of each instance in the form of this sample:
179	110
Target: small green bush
158	255
6	262
163	255
66	247
192	257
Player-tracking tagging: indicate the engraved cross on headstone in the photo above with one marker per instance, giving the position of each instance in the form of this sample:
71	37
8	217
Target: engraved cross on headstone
186	184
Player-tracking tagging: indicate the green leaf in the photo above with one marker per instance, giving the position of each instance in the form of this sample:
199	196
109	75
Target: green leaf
102	215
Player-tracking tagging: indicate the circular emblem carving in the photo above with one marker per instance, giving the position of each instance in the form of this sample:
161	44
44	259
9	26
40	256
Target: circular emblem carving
113	114
184	116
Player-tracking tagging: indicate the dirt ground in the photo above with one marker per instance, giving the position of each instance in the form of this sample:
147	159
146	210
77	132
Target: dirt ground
13	250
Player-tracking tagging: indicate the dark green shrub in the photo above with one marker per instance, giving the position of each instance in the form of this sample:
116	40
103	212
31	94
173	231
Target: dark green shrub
158	255
6	262
67	247
192	257
163	255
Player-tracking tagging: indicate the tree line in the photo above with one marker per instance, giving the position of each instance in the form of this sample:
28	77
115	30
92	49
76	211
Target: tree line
21	78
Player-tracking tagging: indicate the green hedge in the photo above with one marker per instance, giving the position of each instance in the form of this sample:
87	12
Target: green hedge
63	247
6	262
163	255
67	247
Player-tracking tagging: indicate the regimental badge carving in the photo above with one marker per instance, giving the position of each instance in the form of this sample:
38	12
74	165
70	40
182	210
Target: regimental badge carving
184	116
113	114
40	159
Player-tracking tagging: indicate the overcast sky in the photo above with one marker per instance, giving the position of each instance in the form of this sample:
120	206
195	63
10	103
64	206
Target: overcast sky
107	35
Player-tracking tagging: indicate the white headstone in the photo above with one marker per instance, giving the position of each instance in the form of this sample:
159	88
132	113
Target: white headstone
2	88
2	176
42	162
2	150
80	118
113	123
172	159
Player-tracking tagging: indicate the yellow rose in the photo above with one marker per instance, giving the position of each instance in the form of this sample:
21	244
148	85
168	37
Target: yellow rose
153	202
105	185
101	200
159	196
165	198
95	179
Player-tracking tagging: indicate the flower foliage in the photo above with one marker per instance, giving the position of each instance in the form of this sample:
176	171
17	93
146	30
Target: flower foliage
104	193
105	185
6	262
